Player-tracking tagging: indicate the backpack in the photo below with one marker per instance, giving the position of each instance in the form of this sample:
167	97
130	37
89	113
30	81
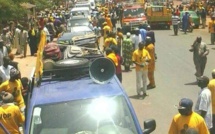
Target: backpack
52	51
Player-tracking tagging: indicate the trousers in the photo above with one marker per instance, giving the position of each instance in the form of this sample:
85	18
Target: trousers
141	81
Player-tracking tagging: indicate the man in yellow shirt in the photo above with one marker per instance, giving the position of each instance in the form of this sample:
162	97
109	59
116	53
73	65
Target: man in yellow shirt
14	87
141	58
106	29
151	67
187	119
111	55
110	40
211	29
211	86
119	39
10	115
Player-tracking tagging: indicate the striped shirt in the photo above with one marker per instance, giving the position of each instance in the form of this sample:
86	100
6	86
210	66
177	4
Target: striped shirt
175	20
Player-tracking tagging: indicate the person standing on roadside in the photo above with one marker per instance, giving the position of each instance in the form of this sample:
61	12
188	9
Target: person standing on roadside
211	86
127	51
151	66
16	39
187	119
32	40
175	20
23	41
5	69
203	15
211	29
200	52
3	51
203	105
141	58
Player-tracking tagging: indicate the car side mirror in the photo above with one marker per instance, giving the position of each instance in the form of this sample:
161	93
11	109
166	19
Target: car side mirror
149	126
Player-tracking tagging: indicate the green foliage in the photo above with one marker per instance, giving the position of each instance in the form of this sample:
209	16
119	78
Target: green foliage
11	10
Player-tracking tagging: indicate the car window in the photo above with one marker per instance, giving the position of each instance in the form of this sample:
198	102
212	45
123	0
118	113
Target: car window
102	115
77	13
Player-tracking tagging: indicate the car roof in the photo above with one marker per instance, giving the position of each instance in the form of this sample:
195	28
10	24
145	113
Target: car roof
64	91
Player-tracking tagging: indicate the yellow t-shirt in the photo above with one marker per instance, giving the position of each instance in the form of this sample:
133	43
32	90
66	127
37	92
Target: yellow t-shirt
211	86
113	57
120	36
109	41
181	123
140	56
150	48
11	118
15	89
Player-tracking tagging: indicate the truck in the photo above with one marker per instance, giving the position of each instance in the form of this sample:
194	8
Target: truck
159	16
133	17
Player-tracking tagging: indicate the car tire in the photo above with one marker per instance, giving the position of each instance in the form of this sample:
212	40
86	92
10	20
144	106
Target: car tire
48	64
71	63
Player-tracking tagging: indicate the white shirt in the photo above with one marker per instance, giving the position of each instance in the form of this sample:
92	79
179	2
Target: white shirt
47	34
204	103
136	40
5	72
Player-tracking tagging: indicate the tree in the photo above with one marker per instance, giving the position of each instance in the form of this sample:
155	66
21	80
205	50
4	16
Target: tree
11	10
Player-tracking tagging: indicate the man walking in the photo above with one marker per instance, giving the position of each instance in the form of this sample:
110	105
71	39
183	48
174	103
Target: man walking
200	52
211	86
187	119
175	20
127	51
185	22
203	105
141	58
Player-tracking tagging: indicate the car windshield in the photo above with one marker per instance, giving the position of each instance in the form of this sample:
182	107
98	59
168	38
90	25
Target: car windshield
82	5
133	12
78	22
104	115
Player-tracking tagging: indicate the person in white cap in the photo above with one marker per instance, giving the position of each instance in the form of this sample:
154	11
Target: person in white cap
211	86
127	51
186	119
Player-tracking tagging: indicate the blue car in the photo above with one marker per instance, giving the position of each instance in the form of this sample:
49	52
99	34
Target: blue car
72	101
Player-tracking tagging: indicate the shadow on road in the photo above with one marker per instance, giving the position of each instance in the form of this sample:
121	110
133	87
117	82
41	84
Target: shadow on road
191	83
137	97
213	48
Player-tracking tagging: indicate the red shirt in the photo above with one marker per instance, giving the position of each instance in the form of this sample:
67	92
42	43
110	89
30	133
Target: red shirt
118	68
